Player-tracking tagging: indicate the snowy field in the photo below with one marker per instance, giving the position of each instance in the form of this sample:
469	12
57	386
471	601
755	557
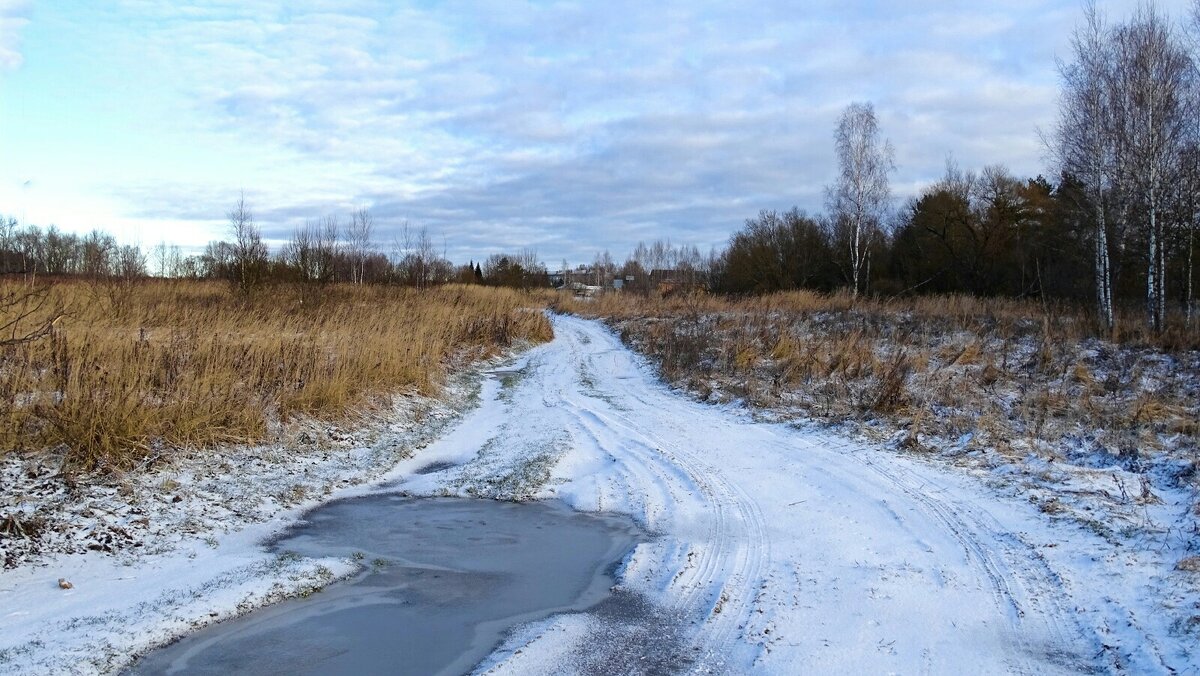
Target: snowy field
776	549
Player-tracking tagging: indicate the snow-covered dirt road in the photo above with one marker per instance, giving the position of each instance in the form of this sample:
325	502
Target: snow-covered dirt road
780	550
772	549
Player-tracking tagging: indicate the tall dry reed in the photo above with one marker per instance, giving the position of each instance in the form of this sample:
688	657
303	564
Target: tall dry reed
132	370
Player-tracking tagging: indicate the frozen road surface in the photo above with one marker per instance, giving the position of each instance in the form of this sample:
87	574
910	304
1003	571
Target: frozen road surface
780	550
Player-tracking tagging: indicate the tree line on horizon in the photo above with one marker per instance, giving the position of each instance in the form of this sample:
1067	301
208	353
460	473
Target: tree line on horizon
320	252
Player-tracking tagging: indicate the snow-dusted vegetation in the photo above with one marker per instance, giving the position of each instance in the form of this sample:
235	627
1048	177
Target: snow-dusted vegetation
1085	428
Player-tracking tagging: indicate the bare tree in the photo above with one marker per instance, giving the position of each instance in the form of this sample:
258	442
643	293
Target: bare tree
249	252
358	237
416	259
603	267
8	248
1151	76
1188	198
326	239
1127	115
175	268
299	253
860	197
8	228
1192	167
130	263
1084	143
162	255
97	253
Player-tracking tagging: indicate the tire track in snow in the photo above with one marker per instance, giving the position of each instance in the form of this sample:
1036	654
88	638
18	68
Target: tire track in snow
667	461
738	535
1002	560
719	574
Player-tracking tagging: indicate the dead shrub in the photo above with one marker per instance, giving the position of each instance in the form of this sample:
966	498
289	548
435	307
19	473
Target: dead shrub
891	394
30	528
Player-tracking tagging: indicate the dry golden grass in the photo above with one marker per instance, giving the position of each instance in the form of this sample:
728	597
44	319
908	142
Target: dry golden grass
132	369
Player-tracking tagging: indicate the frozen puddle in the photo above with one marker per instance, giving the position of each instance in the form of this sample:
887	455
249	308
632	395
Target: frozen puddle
444	580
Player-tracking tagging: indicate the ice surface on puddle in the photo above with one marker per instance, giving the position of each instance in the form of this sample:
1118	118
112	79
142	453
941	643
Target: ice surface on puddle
444	580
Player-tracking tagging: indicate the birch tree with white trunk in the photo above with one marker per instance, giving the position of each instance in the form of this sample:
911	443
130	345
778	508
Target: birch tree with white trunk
1084	143
1151	85
859	199
358	236
1192	168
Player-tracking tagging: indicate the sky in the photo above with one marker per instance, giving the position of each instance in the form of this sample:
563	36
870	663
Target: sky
564	127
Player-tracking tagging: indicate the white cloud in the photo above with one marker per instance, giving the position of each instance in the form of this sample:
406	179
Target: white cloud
583	125
14	15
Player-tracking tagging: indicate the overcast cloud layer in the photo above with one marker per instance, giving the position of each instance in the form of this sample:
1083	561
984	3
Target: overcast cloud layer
567	127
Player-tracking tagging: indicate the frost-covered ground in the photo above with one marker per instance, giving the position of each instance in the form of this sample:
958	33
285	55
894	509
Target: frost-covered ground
775	548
